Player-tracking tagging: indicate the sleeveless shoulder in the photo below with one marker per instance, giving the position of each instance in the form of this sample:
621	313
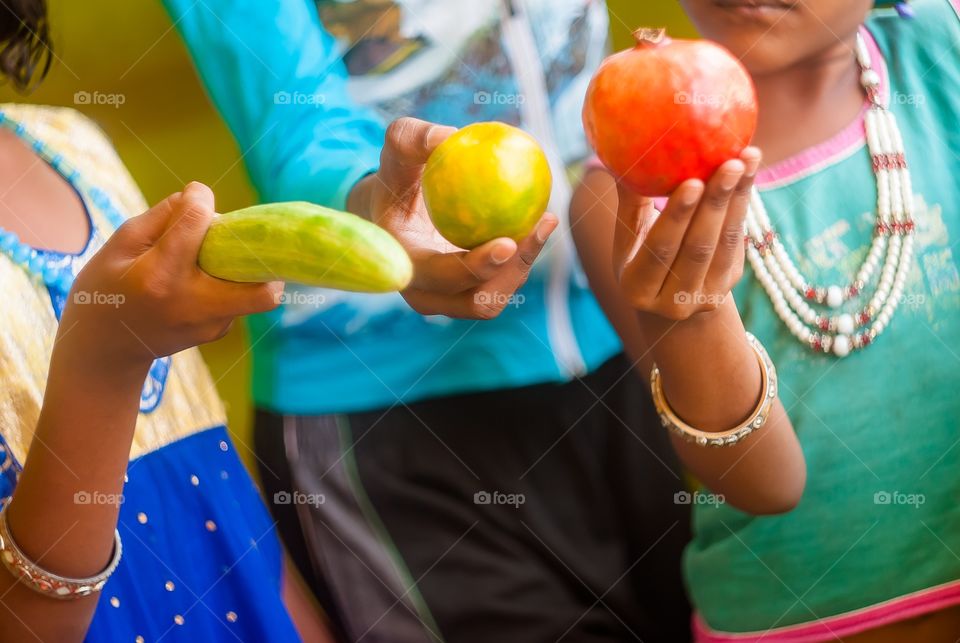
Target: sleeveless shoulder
84	145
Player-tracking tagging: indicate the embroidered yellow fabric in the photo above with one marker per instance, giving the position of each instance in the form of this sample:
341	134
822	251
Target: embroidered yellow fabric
28	325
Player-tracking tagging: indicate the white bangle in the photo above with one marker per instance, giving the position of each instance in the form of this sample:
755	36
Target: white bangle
756	421
43	581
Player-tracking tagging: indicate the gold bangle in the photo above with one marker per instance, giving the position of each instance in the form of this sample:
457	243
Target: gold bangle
47	583
756	421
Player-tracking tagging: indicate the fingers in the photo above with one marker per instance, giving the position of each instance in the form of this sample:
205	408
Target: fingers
481	304
531	247
453	272
496	292
692	255
408	144
501	263
232	299
703	232
647	272
191	214
728	261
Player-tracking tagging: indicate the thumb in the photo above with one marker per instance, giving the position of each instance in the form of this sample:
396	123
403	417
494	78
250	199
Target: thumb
409	143
191	212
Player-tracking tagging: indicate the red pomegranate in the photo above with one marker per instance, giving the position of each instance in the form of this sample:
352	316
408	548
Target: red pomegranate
669	110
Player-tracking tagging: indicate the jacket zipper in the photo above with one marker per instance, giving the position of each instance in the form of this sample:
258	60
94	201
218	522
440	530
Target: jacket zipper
521	50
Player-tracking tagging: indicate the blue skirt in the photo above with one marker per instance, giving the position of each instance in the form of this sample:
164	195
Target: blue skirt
201	560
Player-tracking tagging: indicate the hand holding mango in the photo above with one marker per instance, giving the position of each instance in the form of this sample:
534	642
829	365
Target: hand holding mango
447	280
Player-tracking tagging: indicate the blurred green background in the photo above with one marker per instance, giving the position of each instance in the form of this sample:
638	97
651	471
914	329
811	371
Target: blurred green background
167	132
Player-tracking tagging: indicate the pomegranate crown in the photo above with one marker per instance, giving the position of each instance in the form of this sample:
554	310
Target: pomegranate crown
650	35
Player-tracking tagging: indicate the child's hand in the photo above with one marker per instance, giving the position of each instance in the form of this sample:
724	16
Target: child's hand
475	284
688	259
143	295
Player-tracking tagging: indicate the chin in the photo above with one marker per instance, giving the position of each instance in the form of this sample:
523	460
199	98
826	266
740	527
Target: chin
761	50
767	35
762	54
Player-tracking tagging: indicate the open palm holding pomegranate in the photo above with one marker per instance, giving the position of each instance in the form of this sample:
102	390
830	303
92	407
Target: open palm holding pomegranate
675	118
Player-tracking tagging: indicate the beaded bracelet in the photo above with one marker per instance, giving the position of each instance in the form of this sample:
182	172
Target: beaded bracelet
43	581
757	419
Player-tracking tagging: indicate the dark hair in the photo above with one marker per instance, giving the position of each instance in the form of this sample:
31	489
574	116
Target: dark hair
25	52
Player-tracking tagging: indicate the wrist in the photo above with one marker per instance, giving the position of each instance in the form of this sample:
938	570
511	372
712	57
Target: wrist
696	328
93	360
722	437
709	370
100	344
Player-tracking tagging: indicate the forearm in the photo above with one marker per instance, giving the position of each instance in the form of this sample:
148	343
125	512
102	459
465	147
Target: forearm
79	452
712	380
711	376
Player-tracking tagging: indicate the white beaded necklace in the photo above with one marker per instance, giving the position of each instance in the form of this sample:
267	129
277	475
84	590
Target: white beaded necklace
794	296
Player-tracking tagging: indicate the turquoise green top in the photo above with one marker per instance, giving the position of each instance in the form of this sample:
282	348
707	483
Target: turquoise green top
307	104
880	429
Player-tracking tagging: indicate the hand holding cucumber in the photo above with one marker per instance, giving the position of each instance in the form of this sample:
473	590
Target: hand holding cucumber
160	301
447	280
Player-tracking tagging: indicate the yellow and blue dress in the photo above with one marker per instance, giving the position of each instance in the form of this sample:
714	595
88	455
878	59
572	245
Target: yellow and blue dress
201	561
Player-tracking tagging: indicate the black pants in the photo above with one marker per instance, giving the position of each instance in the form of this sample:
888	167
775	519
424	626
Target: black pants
528	515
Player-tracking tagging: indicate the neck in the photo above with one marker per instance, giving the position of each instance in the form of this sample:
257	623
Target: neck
808	102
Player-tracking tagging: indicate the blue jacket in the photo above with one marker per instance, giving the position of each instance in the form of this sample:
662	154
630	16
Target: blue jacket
307	103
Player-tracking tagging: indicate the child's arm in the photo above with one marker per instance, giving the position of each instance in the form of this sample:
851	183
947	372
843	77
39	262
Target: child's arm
650	291
99	362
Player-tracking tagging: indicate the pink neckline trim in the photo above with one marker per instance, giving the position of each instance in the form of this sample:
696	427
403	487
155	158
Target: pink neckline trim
828	629
841	146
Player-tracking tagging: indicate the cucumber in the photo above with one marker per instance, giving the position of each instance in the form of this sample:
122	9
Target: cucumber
307	244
